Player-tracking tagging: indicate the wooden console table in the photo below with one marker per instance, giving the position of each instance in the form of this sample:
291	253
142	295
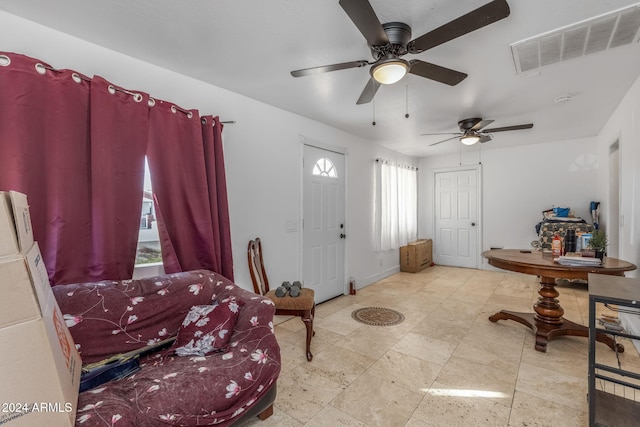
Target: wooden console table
547	321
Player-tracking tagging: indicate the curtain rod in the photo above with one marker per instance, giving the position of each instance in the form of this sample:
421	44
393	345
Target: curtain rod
77	77
379	160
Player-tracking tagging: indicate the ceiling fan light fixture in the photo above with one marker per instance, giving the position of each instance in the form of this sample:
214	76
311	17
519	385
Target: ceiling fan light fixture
469	139
390	70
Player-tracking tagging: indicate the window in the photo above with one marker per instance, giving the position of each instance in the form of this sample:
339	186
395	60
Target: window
325	167
148	238
396	205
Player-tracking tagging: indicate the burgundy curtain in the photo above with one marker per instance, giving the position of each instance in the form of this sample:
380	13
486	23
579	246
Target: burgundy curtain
185	168
119	125
44	153
217	186
75	146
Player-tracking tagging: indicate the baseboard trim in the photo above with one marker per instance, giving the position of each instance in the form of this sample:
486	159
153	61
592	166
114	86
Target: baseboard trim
362	283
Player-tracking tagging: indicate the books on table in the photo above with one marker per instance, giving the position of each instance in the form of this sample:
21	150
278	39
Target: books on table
576	261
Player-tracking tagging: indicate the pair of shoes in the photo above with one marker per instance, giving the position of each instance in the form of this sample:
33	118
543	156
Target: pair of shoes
281	291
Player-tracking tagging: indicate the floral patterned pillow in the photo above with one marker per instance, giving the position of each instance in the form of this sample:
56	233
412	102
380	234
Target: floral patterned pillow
207	328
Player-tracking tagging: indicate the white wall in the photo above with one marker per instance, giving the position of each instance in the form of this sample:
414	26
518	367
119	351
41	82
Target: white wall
623	125
262	152
518	183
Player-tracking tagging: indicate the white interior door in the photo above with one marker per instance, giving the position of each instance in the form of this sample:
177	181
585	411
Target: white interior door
323	222
456	218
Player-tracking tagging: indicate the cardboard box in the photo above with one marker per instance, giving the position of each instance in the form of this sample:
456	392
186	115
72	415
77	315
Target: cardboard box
8	237
416	256
39	364
40	278
18	303
34	392
16	233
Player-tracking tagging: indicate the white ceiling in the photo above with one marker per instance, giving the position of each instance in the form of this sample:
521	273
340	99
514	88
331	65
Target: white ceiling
250	46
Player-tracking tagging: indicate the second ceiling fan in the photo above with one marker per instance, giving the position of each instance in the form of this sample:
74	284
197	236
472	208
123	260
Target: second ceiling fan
389	42
473	130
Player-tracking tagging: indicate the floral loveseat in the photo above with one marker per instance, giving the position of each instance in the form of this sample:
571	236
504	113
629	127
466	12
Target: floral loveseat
234	382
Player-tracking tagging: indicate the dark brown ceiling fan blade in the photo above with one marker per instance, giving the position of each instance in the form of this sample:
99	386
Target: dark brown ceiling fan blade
369	92
444	140
364	17
327	68
466	125
506	128
485	138
476	19
443	133
436	72
482	123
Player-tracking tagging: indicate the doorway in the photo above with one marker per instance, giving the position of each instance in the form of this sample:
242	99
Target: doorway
457	197
323	223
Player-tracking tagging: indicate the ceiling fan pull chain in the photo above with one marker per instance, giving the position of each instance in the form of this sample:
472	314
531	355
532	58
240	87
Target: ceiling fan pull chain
373	104
407	100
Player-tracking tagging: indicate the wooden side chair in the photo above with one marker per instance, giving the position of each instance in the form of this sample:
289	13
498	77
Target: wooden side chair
303	305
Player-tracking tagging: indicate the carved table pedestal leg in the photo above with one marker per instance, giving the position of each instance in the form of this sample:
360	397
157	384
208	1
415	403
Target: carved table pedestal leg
547	321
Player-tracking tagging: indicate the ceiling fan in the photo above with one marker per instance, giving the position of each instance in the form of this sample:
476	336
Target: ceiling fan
473	130
388	42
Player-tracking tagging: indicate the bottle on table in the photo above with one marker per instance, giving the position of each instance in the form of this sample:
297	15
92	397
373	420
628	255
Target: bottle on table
570	241
556	245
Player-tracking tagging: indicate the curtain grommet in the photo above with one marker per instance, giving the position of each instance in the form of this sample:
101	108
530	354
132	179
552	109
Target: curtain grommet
151	102
4	61
189	115
112	89
174	109
137	97
76	77
41	69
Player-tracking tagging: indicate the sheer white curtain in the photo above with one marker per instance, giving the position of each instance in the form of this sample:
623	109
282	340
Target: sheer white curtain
396	205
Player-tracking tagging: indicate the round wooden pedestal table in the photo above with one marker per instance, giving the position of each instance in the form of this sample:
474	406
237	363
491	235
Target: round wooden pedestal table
547	321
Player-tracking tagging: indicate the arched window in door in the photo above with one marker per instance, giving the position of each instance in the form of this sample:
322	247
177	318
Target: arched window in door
325	167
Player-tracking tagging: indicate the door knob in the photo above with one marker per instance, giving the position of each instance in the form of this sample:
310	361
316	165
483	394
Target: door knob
473	224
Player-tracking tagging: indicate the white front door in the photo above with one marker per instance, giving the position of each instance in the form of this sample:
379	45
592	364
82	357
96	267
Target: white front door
323	222
456	218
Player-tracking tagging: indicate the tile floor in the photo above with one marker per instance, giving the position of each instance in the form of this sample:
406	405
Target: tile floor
446	364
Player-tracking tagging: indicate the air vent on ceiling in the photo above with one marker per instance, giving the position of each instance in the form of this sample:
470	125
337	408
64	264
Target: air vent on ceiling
603	32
